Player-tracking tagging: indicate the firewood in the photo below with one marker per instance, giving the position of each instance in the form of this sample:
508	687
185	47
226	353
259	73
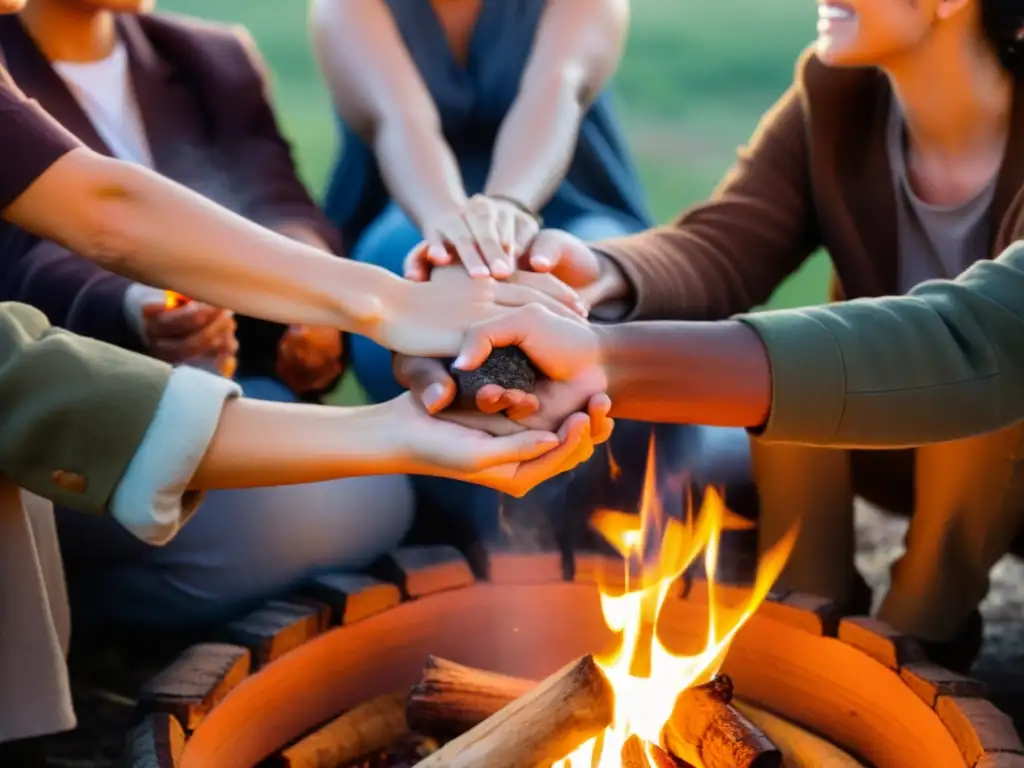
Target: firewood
361	731
548	722
799	748
637	753
450	698
705	729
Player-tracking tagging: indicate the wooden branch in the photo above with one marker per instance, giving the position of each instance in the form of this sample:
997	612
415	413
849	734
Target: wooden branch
450	698
548	722
361	731
705	729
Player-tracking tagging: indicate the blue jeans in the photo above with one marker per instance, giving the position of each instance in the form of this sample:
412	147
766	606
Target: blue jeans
241	547
706	455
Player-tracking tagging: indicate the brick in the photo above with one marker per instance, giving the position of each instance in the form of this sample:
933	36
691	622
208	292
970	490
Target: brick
978	727
929	681
195	682
504	564
1001	760
420	571
352	596
880	641
156	742
271	631
811	613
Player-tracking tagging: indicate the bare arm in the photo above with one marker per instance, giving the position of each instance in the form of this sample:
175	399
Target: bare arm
115	213
380	94
577	49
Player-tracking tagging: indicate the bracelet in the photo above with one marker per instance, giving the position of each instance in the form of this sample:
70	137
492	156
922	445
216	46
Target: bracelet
520	206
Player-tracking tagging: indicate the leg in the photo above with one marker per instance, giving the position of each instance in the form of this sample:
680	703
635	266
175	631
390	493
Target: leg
809	487
35	698
969	504
385	243
242	547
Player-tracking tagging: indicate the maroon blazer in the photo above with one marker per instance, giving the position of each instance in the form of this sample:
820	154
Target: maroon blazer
202	93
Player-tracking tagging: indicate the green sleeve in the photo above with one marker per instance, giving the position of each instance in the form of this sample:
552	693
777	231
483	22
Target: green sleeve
942	363
70	407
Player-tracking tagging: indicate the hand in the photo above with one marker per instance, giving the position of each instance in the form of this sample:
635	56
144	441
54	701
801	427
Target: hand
487	236
566	257
568	354
430	319
459	445
193	333
309	357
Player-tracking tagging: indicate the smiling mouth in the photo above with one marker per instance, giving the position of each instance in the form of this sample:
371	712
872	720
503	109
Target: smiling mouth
834	12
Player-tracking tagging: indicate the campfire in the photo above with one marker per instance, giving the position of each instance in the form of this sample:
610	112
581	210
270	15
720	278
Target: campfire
640	705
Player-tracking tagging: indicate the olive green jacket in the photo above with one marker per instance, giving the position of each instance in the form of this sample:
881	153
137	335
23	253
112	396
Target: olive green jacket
942	363
73	411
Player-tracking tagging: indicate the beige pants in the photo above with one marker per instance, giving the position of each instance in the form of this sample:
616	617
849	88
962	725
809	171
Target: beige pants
967	501
35	694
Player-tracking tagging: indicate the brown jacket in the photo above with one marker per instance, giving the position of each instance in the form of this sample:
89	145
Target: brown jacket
816	174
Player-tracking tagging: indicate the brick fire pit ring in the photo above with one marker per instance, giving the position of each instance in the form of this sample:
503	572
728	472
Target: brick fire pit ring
852	680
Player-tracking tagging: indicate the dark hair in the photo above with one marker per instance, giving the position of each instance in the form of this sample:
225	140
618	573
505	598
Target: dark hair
1003	23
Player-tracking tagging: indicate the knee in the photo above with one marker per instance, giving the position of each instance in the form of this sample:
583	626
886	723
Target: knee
388	240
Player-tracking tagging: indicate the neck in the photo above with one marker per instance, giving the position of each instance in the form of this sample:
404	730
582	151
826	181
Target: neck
66	30
955	95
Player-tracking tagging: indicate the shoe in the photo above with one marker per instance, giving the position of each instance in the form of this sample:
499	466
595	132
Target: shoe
960	653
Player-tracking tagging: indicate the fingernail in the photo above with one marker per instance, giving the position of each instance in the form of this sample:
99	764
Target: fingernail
541	261
460	361
479	272
436	252
500	266
433	394
581	308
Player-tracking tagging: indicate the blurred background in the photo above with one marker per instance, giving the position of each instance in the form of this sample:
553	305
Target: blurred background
696	78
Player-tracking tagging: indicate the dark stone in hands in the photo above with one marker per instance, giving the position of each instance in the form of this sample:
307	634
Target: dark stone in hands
508	367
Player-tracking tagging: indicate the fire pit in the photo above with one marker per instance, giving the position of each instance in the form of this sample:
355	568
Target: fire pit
515	671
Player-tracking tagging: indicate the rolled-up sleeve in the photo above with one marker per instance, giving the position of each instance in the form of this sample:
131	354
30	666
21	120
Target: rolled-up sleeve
152	500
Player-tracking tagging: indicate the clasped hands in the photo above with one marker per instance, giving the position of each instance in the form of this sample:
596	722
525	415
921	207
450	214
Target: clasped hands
570	398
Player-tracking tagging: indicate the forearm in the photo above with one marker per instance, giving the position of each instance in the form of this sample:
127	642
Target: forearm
265	444
683	372
536	143
419	168
138	224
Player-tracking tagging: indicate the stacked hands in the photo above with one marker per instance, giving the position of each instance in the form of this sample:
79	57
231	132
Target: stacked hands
521	288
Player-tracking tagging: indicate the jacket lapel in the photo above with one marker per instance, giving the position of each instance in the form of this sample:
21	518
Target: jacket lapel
38	80
167	109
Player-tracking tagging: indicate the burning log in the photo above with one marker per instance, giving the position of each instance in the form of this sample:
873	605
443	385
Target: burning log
548	721
705	729
450	698
637	753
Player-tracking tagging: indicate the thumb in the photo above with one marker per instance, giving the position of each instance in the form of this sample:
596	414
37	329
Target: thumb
515	449
545	251
512	329
427	379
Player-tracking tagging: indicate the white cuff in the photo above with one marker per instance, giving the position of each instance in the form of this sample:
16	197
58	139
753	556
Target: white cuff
152	500
135	298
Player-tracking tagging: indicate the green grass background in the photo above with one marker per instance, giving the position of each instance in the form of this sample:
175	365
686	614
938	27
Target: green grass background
696	78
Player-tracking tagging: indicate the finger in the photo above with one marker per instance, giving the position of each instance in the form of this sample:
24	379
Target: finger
463	241
526	407
512	295
482	221
526	446
427	379
553	287
573	433
416	265
217	336
527	230
601	424
183	321
545	251
492	398
507	235
437	252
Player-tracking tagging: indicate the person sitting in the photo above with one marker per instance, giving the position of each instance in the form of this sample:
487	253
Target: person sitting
899	148
466	124
187	99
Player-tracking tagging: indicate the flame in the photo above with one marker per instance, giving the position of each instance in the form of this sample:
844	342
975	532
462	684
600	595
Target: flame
646	677
173	300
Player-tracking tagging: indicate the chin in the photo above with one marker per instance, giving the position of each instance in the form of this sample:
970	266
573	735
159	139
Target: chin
11	6
838	55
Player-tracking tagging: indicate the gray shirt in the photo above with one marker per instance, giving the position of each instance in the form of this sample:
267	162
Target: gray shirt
935	241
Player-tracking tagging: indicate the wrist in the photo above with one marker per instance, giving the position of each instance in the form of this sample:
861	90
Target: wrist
368	301
611	353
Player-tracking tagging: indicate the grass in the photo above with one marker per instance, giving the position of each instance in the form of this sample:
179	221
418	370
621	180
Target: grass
696	78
